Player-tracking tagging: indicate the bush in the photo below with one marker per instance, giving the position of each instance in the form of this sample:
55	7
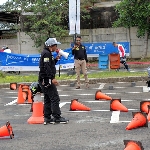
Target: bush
2	74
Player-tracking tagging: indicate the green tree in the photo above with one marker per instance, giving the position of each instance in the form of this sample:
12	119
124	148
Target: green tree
135	13
46	17
44	20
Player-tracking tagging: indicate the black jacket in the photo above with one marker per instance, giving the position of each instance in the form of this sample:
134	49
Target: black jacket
47	65
79	52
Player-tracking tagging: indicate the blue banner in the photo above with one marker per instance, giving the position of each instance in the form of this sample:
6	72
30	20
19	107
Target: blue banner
104	48
20	62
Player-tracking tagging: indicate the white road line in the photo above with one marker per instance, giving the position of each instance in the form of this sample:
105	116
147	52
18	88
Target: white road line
112	93
11	103
5	88
97	101
59	90
145	89
85	94
14	102
119	87
126	100
119	121
11	92
134	92
101	101
76	111
12	97
100	110
139	86
62	104
95	88
64	95
133	109
18	115
101	86
115	117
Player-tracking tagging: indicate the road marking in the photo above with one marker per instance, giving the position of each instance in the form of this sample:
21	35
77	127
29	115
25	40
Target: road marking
101	86
18	115
112	93
77	89
115	117
63	103
12	97
145	89
63	85
139	86
95	88
76	111
125	100
64	95
134	92
15	101
11	92
97	101
119	87
101	101
133	109
85	94
11	103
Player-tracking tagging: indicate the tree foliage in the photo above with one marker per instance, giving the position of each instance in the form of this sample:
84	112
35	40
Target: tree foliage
48	17
134	13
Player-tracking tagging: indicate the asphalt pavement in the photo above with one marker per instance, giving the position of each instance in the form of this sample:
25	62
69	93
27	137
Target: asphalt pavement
86	130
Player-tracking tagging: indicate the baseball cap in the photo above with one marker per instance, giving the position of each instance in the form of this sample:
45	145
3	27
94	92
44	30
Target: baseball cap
51	41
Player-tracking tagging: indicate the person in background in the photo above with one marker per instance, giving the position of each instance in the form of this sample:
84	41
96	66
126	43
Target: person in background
80	57
122	55
48	83
6	49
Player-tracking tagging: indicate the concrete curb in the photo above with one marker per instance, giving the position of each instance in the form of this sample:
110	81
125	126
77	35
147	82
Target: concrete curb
91	81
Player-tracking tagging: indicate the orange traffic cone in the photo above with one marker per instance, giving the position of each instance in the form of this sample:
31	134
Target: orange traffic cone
143	106
29	96
148	116
25	88
139	120
6	130
100	95
20	99
25	95
133	145
75	105
31	109
13	86
115	105
37	115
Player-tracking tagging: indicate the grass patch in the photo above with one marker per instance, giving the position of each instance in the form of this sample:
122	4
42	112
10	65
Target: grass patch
6	78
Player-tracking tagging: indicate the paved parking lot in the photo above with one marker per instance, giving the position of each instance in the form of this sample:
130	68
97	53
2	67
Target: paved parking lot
87	130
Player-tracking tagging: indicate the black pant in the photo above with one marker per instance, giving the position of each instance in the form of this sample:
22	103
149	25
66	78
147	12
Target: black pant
51	101
123	61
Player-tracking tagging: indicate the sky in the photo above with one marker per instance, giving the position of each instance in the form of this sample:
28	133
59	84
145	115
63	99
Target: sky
2	1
